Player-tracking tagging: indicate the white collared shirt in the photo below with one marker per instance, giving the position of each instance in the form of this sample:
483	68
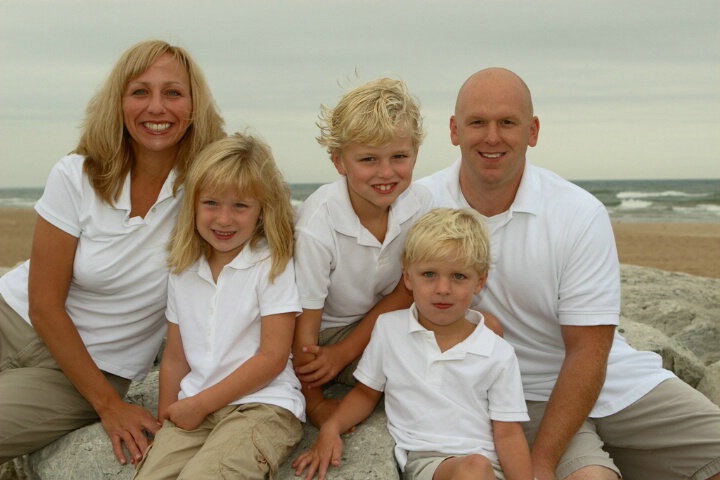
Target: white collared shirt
118	290
340	266
554	262
442	401
220	324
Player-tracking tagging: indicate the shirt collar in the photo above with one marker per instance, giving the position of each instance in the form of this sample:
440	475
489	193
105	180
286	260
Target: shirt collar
123	203
247	258
480	342
339	204
527	199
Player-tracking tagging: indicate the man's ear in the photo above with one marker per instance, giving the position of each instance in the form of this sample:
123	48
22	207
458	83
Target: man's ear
453	131
534	132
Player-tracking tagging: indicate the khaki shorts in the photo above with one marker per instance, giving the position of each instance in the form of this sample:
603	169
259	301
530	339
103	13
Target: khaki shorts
331	336
671	433
238	441
422	465
38	404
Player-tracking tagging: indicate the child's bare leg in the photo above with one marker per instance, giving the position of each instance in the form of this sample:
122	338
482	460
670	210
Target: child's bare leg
469	467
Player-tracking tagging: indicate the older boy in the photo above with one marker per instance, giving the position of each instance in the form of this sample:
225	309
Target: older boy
349	233
453	394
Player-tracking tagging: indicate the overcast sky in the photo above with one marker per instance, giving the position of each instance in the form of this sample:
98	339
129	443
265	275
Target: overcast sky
623	89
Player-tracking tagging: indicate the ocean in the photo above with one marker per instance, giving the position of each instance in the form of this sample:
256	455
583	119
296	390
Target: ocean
626	200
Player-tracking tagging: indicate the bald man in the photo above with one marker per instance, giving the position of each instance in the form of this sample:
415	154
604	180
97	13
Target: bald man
597	406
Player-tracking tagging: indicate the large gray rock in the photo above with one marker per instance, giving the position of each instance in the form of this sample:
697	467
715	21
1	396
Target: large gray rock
684	307
674	314
87	453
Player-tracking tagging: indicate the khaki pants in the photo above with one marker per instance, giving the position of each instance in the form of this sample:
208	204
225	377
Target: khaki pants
239	441
671	433
422	465
38	404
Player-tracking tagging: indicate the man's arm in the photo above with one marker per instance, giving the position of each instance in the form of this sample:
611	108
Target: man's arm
577	388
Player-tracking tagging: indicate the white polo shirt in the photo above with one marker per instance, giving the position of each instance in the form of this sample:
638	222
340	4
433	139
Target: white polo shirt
554	262
442	401
220	324
118	290
340	266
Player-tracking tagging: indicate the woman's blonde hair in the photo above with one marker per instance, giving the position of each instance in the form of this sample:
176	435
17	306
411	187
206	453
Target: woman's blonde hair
244	164
444	233
105	141
371	114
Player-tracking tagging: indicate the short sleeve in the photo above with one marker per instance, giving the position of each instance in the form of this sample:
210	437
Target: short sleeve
61	201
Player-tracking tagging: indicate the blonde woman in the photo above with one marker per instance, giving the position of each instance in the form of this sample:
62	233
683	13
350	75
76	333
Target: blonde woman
85	315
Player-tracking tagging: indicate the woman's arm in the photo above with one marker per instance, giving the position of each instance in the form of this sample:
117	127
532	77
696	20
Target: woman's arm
51	268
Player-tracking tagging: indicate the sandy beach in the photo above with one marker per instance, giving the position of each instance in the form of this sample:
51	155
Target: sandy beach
677	247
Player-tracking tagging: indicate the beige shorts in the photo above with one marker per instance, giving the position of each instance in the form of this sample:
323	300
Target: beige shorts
422	465
238	441
331	336
671	433
38	403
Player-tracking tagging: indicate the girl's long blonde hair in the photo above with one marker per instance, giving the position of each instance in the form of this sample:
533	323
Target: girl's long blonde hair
105	141
244	164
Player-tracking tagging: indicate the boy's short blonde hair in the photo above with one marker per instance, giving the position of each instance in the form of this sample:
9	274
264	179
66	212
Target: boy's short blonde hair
445	233
371	114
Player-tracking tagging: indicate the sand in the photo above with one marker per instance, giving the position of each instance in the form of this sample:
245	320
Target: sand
677	247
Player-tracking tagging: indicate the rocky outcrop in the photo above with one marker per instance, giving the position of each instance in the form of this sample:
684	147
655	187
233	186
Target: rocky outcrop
674	314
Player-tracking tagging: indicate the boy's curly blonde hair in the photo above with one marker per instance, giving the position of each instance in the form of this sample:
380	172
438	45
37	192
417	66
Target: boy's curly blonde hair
371	114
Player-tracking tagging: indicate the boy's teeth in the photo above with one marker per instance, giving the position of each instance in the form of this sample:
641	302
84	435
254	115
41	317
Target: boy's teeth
384	188
157	127
491	155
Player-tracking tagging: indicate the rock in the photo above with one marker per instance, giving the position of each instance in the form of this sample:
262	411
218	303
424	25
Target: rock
367	452
674	314
684	307
710	384
86	454
676	357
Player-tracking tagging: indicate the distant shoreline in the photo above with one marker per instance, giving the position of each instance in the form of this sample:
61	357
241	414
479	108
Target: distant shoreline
677	247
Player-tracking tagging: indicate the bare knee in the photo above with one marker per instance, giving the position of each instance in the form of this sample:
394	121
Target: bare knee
473	467
593	473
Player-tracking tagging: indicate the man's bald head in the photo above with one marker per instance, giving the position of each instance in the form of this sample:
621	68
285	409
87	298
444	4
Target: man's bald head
495	76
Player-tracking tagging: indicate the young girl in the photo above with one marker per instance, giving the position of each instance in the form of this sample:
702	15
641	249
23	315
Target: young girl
230	402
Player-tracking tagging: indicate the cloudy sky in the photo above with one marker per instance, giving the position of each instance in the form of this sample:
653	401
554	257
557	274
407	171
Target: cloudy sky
623	89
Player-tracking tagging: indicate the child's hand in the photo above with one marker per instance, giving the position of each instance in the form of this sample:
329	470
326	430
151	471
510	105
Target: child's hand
326	450
327	364
186	413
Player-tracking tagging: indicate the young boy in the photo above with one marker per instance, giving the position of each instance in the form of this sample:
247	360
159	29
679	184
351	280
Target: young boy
453	395
349	234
